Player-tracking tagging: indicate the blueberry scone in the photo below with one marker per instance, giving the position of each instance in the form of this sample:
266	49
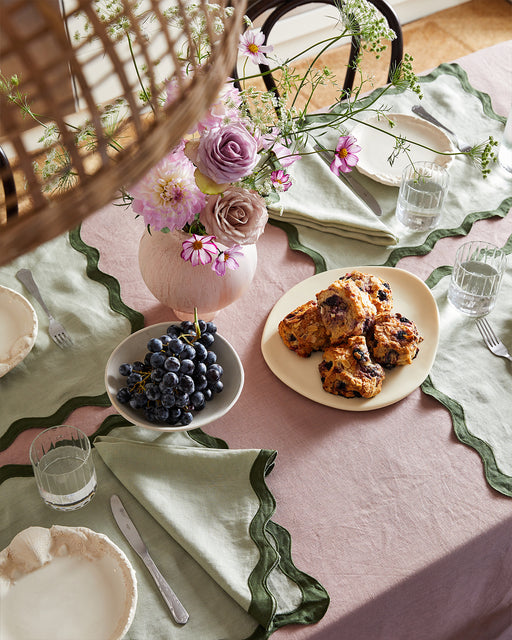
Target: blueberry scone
302	330
347	370
345	310
377	289
393	340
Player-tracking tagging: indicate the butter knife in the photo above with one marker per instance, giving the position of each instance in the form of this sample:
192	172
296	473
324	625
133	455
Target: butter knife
129	531
356	186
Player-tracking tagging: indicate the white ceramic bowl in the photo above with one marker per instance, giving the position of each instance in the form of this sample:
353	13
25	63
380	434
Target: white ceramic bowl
18	329
134	348
66	583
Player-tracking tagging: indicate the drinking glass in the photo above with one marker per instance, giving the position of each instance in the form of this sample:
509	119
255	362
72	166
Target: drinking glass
423	189
476	278
63	467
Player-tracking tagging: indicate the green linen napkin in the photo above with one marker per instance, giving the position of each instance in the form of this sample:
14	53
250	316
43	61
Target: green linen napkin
474	384
320	200
204	514
468	112
88	304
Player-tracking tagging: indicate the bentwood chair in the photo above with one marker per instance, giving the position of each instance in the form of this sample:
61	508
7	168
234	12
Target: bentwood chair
277	9
9	186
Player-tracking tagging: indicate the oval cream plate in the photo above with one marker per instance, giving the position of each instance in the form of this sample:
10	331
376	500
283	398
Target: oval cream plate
18	328
65	583
411	297
134	347
377	146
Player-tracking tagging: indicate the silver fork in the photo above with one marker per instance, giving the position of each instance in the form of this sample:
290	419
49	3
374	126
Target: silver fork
57	332
494	344
423	113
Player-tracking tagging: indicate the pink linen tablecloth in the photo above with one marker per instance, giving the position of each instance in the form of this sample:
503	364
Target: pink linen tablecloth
386	508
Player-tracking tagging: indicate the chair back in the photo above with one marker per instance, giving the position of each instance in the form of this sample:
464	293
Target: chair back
279	8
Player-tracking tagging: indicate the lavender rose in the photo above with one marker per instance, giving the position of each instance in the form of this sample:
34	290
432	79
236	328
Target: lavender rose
227	153
238	216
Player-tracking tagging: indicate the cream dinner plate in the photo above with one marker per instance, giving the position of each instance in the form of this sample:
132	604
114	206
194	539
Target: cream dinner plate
65	583
134	348
377	146
18	328
411	297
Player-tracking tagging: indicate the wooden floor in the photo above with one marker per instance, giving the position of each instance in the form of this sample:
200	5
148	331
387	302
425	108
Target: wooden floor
441	37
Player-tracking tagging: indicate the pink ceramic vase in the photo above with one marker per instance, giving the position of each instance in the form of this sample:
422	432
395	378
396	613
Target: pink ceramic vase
179	285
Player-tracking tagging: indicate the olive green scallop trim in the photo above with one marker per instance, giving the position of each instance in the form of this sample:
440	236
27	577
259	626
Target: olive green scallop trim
315	599
135	318
457	71
495	477
295	244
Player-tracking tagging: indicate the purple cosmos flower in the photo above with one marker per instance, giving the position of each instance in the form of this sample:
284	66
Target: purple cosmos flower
227	153
199	249
227	260
345	158
252	45
281	180
168	196
224	110
284	155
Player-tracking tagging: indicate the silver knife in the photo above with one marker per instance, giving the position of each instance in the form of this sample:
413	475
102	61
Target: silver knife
129	531
356	186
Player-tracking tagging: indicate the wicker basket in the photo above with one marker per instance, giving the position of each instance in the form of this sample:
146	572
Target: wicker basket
36	41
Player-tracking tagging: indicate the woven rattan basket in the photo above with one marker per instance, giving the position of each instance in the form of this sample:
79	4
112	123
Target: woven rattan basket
70	81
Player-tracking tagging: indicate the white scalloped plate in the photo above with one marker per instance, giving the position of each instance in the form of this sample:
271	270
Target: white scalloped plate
377	146
18	328
411	297
65	583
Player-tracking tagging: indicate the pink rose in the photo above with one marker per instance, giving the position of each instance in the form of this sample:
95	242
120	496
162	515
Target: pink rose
238	216
227	153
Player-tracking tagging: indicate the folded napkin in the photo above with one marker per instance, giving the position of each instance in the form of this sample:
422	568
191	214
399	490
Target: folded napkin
320	200
214	505
332	222
480	400
88	304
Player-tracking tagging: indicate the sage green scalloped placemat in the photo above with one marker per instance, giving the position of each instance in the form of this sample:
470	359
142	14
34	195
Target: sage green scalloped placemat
204	511
88	303
468	112
472	383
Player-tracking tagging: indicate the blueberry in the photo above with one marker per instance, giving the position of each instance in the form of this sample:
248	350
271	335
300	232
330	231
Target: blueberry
200	369
213	374
211	358
170	380
157	374
181	399
211	327
198	400
173	331
152	391
217	386
174	415
207	393
187	326
202	326
165	339
161	414
167	399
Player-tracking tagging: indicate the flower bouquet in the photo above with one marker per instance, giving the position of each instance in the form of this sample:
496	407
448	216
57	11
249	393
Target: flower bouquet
216	184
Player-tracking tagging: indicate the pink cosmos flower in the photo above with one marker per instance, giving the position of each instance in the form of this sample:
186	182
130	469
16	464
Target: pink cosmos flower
252	45
199	249
227	260
281	180
168	196
345	158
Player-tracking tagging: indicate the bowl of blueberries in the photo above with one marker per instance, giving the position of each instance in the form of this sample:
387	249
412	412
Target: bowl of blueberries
174	377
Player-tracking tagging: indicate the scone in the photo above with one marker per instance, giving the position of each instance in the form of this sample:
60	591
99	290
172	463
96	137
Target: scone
347	370
393	340
345	310
302	330
377	289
